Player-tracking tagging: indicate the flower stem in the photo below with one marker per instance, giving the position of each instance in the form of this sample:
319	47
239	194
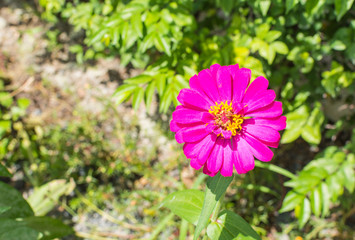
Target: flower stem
217	208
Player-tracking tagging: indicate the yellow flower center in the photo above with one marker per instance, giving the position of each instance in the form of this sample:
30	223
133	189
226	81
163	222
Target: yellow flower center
225	117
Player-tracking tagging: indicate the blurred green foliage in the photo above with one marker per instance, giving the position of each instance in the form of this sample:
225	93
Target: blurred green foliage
305	48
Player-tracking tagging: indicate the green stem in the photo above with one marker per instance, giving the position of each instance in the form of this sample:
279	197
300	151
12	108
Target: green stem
275	169
216	209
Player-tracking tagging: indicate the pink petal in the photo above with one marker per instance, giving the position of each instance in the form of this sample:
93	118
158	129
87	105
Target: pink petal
203	155
226	134
173	126
215	160
214	69
233	68
192	99
235	157
259	150
185	115
262	132
227	167
241	79
178	136
259	84
270	144
206	171
193	133
278	123
270	111
195	85
245	155
209	85
260	100
224	83
193	149
195	164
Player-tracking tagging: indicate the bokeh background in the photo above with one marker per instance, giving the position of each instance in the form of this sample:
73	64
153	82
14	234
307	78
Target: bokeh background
87	88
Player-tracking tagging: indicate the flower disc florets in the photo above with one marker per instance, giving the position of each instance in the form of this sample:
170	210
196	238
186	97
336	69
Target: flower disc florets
226	118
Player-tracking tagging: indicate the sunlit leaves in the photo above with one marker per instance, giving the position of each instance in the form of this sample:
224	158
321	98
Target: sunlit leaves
321	182
230	225
187	204
342	6
302	123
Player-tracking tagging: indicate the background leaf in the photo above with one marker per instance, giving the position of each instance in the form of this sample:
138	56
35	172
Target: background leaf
187	204
230	225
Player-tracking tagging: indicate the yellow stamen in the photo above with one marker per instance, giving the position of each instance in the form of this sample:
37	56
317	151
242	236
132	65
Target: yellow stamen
225	117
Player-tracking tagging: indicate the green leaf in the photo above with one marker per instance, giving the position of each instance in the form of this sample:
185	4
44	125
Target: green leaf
291	200
230	225
4	172
304	212
264	6
311	134
123	92
226	5
325	199
50	228
162	43
290	4
279	47
166	100
311	6
316	201
187	204
98	36
295	122
137	24
16	230
216	187
10	197
338	45
161	83
312	130
137	98
349	175
140	79
4	209
272	36
149	94
23	103
45	198
5	99
341	7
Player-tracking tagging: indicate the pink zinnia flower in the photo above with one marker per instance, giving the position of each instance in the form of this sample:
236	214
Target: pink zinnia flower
226	121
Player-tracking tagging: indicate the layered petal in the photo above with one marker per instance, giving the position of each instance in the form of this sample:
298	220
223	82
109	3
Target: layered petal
195	164
263	133
192	99
208	84
241	79
193	149
261	100
270	111
214	162
203	155
259	84
244	156
227	166
278	123
224	83
186	115
258	149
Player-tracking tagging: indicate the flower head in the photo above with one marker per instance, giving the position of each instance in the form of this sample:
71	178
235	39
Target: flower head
225	121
